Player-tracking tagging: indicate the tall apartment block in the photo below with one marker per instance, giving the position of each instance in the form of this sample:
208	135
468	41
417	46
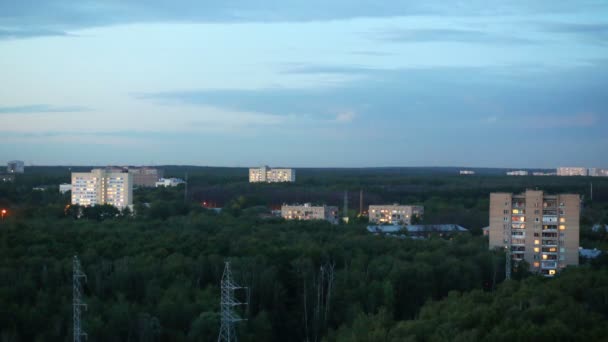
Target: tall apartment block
572	171
266	174
309	212
394	213
103	186
145	176
597	172
541	229
15	166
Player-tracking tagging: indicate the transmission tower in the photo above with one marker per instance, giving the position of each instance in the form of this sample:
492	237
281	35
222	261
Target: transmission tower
228	304
77	301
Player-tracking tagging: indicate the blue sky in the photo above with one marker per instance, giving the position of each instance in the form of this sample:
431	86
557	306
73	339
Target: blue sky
304	83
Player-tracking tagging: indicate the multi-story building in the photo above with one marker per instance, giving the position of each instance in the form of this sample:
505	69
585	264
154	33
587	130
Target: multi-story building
309	212
517	173
394	213
145	176
103	186
541	229
266	174
571	171
597	172
169	182
467	172
15	166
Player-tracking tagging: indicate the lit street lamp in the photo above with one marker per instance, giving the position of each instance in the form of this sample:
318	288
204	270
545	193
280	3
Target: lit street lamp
3	214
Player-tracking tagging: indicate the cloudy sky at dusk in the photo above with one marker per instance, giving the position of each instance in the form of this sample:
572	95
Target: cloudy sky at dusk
304	83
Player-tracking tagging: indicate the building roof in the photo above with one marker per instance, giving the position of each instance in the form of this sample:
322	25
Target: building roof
385	229
589	253
438	228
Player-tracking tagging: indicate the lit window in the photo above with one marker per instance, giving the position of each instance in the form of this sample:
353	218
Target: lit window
536	249
544	256
536	264
536	242
562	219
551	272
562	227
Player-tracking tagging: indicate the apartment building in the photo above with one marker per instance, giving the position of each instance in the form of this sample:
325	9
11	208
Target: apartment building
572	171
169	182
15	166
309	212
266	174
597	172
518	173
103	186
541	229
394	213
145	176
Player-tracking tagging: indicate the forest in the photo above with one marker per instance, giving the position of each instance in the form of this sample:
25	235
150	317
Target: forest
155	276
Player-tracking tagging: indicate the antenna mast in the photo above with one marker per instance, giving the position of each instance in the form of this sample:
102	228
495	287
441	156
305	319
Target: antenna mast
77	302
228	303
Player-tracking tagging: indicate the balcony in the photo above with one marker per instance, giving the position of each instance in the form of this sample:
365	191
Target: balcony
549	219
549	264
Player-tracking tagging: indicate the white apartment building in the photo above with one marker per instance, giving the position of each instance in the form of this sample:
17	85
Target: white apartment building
266	174
102	186
308	212
571	171
15	166
467	172
171	182
394	213
518	173
597	172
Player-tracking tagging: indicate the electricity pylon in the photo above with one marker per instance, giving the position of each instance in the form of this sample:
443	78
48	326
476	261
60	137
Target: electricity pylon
77	301
228	303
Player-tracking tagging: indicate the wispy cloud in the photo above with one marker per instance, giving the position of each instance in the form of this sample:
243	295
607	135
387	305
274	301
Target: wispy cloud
597	32
448	35
579	120
345	117
21	33
41	108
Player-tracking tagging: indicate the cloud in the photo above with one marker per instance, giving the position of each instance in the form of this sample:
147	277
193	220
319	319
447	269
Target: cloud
345	117
449	35
595	31
41	108
579	120
21	33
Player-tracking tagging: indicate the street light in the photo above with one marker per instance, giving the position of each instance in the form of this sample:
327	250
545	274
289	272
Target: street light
3	214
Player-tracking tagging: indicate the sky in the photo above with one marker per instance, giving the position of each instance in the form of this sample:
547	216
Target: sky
304	83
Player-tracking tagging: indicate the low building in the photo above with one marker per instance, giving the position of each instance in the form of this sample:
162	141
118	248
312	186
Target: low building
385	229
427	230
63	188
538	173
597	172
266	174
15	166
467	172
517	173
572	171
486	231
169	182
394	213
309	212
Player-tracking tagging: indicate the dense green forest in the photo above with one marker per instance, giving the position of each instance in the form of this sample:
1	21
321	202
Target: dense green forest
155	276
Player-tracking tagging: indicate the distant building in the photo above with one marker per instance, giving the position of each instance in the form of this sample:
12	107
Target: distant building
5	178
15	166
541	229
538	173
145	176
486	231
169	182
309	212
517	173
418	231
589	253
63	188
102	186
572	171
266	174
394	214
597	172
467	172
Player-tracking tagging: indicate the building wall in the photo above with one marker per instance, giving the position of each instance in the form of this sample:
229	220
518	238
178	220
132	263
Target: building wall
597	172
102	187
145	176
394	214
15	166
308	212
266	174
541	229
571	171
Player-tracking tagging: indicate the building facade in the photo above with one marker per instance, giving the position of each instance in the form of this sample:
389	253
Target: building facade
518	173
63	188
266	174
467	172
541	229
169	182
309	212
145	176
102	186
15	166
572	171
597	172
394	213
